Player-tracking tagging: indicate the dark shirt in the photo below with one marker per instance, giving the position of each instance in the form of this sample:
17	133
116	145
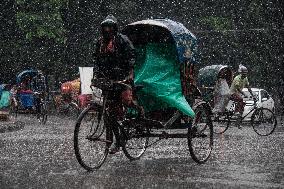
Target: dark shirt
116	53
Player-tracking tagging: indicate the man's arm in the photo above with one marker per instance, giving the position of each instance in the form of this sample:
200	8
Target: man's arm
250	91
130	55
96	59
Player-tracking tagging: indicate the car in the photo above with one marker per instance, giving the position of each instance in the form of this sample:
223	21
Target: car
263	98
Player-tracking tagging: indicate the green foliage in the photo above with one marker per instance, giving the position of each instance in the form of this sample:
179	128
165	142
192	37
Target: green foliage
217	23
38	19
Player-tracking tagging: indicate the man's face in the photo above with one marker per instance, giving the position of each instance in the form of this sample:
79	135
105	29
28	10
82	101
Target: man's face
108	32
244	74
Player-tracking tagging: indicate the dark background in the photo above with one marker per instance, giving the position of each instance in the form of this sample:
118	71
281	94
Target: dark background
57	36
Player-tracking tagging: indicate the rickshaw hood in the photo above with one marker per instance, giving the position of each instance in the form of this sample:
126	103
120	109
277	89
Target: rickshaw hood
185	41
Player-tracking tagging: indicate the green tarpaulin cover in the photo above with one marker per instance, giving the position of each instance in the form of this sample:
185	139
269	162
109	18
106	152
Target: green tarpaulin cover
5	99
158	70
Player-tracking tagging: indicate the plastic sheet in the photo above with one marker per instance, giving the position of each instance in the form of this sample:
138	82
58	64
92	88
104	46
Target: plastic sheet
157	69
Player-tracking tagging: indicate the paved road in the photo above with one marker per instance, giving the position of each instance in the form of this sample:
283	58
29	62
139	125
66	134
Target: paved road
41	156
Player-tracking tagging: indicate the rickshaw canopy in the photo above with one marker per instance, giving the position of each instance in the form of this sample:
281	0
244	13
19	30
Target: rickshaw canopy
165	30
208	75
30	72
161	46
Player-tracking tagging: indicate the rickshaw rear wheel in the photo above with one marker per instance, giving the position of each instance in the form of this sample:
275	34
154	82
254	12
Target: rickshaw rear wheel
135	143
135	138
200	134
91	138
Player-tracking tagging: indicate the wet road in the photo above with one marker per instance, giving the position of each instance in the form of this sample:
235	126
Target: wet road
41	156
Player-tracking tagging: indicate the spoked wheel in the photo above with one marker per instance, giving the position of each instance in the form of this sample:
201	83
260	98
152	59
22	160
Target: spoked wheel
70	110
200	135
135	139
135	135
91	138
263	121
221	123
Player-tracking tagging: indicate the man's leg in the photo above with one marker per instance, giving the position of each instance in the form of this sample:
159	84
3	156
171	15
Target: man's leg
239	108
38	110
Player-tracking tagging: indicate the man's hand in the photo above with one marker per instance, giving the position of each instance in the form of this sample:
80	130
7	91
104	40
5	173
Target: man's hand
93	82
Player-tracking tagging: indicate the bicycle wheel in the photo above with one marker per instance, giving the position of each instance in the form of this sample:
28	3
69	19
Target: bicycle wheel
221	123
135	139
263	121
135	136
70	110
200	135
91	138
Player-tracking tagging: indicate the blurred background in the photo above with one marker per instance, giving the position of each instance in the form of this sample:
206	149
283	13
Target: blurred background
57	36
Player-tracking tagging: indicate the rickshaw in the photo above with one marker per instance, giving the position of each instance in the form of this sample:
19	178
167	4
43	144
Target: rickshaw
164	86
207	78
74	95
66	100
263	120
29	98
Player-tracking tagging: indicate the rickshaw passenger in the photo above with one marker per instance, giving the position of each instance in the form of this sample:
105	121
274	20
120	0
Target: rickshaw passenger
25	85
114	50
221	93
239	82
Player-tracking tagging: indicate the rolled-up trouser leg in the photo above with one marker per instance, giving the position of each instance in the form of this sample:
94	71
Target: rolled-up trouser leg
112	123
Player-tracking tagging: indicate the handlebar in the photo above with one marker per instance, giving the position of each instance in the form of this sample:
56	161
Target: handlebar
106	84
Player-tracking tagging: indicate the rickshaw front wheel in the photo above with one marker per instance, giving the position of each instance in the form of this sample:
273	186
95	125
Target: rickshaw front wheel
91	138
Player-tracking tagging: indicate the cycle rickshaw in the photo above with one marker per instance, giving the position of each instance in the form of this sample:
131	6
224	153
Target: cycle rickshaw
31	96
263	120
207	78
163	87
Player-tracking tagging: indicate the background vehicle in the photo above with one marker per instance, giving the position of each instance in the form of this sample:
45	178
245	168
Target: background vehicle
262	120
29	100
74	95
66	100
207	78
263	100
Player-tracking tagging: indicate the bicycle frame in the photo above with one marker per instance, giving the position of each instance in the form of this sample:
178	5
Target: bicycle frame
253	109
160	125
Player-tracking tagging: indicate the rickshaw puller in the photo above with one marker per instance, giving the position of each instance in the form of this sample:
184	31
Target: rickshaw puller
239	82
115	58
